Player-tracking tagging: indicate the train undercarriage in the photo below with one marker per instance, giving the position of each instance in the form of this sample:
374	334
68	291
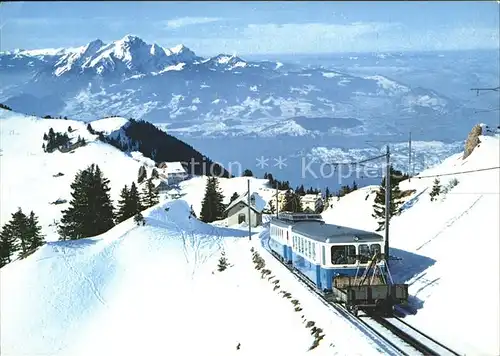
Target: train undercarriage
373	295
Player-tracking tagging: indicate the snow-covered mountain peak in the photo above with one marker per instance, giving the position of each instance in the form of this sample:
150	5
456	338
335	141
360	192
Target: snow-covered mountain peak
183	54
94	45
178	49
129	55
131	39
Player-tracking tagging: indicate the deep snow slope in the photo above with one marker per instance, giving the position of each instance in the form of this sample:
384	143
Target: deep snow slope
154	290
27	172
457	236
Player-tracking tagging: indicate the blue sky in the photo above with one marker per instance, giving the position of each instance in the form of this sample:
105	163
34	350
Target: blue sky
256	27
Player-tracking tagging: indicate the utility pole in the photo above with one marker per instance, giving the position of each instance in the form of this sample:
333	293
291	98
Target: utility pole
249	213
409	158
387	203
277	200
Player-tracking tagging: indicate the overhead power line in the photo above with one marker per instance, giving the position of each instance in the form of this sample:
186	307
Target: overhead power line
442	174
477	90
456	173
358	162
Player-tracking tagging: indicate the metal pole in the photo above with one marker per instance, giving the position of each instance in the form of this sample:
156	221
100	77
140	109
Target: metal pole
409	159
277	200
249	213
387	203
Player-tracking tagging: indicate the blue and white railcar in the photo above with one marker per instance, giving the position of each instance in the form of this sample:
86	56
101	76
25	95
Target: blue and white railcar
323	251
279	239
280	232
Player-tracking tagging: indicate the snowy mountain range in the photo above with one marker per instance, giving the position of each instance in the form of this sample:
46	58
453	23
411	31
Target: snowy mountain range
221	95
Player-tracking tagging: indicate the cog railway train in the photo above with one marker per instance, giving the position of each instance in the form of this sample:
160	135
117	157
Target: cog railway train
345	265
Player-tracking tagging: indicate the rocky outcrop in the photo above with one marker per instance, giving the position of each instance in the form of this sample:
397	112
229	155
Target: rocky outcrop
472	140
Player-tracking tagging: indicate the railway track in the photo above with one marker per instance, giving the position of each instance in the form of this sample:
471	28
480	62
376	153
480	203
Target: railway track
393	335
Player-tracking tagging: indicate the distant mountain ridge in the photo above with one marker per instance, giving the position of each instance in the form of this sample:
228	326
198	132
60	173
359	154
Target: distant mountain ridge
224	95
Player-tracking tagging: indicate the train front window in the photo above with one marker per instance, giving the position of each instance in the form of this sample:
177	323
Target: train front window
343	255
364	253
375	249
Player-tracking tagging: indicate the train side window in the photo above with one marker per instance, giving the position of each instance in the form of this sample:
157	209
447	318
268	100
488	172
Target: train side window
314	252
301	245
323	254
364	253
343	255
309	249
375	249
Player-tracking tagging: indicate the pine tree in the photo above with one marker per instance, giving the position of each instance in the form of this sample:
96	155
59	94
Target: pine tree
91	211
292	202
90	129
35	237
7	247
436	189
122	210
223	263
379	203
103	202
247	173
19	230
21	233
142	174
150	195
135	200
219	199
212	206
327	199
233	197
139	219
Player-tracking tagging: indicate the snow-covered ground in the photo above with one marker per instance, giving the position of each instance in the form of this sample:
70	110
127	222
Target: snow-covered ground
154	289
454	278
27	172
